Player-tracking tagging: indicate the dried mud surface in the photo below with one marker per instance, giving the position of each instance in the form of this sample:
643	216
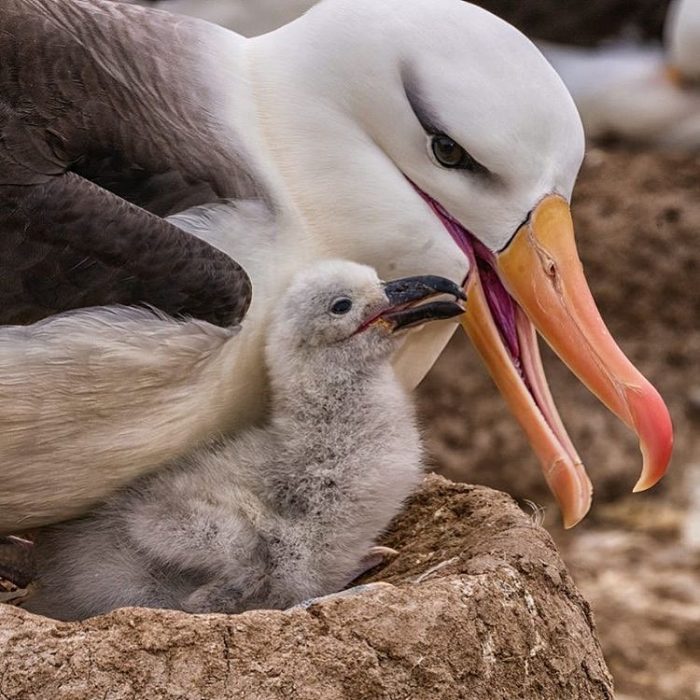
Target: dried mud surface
477	605
636	558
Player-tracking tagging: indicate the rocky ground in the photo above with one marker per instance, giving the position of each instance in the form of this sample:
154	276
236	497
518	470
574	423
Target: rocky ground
477	606
636	558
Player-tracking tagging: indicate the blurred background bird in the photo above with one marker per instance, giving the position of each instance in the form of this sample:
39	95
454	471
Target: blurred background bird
644	93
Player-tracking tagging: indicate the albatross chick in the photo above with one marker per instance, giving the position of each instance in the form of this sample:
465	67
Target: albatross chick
282	513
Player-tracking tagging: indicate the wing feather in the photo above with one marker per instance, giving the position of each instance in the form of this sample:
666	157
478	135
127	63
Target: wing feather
104	129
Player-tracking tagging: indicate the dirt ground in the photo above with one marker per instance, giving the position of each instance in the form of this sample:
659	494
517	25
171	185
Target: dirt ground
477	605
636	558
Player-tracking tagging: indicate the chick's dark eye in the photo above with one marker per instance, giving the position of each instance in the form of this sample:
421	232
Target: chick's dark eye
450	154
341	306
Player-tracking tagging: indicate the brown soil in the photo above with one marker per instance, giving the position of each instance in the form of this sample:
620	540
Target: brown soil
477	605
636	558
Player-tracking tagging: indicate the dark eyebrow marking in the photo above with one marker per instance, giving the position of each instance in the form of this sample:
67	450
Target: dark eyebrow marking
427	120
430	123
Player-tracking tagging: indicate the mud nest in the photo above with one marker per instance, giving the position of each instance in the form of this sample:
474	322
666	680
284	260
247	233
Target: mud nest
477	605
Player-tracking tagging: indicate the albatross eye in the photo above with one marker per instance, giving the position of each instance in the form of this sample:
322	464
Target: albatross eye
451	155
341	306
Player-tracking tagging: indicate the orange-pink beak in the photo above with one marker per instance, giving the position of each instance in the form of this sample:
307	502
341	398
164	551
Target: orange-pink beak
541	271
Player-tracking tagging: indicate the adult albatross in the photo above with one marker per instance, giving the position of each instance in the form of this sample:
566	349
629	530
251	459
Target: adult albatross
421	137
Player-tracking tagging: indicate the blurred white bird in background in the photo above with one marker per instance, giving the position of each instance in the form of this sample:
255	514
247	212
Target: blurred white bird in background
643	93
683	39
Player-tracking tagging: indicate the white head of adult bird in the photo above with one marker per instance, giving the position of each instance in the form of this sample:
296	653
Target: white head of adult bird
419	137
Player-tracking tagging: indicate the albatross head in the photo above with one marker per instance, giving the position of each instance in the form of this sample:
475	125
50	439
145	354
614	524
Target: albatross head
430	136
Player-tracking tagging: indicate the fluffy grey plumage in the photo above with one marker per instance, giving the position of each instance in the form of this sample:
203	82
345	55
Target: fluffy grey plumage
279	514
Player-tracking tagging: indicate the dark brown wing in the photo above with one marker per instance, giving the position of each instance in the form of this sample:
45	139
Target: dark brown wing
105	127
68	243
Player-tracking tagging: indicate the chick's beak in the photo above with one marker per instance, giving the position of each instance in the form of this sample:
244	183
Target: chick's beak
405	295
412	289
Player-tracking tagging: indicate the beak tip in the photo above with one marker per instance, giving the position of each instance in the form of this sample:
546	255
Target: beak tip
647	480
573	490
656	439
572	522
572	517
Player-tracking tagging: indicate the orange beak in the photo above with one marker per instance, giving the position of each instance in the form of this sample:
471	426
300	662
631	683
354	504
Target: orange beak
541	271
